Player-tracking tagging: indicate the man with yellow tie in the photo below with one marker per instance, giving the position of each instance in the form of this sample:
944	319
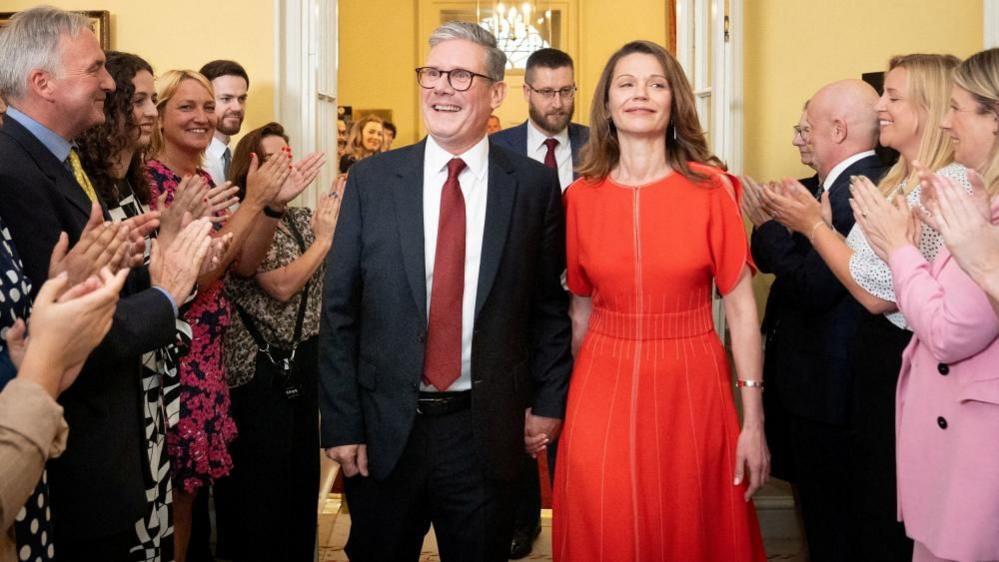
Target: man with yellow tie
54	80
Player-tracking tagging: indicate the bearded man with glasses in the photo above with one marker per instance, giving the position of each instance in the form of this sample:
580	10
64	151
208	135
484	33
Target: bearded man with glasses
548	135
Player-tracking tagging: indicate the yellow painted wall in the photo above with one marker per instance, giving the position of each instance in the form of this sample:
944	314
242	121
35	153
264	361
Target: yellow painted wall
793	47
189	33
377	58
378	54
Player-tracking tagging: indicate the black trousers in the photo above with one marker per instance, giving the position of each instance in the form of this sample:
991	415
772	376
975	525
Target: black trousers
112	548
438	480
820	454
266	507
877	360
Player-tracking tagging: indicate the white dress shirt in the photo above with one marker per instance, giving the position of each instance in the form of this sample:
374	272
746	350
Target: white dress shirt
537	150
474	181
213	160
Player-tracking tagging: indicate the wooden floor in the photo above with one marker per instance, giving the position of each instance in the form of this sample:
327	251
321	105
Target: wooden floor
334	527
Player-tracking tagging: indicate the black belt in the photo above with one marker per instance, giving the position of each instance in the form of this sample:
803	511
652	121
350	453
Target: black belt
442	403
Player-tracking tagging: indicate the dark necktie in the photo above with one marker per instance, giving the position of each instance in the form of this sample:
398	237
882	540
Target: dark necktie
442	359
226	161
550	155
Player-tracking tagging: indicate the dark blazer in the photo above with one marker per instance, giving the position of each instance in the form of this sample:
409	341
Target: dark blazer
374	323
815	318
515	139
98	484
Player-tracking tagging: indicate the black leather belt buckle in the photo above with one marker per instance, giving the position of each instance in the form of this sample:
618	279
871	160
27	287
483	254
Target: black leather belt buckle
443	403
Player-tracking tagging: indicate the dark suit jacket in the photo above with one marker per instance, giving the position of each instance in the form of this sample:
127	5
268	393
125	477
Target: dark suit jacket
374	323
816	316
515	139
98	484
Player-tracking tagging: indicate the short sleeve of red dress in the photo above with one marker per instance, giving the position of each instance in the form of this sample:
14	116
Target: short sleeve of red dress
727	239
575	275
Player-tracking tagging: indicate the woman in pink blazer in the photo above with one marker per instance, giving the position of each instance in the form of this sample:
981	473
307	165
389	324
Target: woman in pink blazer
947	405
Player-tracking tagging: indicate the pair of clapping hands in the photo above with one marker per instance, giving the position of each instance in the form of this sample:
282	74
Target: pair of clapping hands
277	181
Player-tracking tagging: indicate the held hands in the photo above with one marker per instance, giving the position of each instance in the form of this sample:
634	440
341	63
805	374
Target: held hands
539	431
353	459
751	454
328	211
887	225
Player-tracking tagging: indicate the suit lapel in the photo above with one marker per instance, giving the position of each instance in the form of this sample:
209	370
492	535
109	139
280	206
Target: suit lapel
408	193
499	207
49	165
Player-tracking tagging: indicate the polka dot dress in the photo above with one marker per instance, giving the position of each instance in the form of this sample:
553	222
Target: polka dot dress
33	524
873	274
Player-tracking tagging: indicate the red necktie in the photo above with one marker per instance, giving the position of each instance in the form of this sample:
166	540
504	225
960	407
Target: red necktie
442	359
550	156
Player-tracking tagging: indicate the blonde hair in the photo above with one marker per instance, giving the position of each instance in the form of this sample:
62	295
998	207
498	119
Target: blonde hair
601	154
979	75
166	88
930	78
355	142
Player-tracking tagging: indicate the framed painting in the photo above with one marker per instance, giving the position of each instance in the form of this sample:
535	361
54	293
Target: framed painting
100	24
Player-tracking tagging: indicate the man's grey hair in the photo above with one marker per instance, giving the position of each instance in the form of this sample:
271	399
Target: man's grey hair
495	57
31	42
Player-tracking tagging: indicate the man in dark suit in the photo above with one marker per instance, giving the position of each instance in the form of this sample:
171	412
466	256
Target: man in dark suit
97	486
809	330
549	137
444	321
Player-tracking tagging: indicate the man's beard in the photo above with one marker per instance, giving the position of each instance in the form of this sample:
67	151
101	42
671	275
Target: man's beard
222	128
552	125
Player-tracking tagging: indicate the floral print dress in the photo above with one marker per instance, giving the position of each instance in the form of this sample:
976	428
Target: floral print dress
198	445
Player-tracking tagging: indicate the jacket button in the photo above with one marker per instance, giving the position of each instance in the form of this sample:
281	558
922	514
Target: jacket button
943	369
942	422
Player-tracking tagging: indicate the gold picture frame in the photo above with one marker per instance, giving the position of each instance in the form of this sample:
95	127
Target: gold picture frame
100	24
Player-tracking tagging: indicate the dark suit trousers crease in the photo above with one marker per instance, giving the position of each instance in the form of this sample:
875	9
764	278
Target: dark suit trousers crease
877	360
440	480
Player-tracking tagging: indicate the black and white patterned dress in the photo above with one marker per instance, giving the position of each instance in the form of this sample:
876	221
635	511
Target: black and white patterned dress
33	522
160	410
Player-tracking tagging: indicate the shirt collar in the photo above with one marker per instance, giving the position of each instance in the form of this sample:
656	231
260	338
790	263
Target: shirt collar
838	169
476	158
536	137
216	148
57	145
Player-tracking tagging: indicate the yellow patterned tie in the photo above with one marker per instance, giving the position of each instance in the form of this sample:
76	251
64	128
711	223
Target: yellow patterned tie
81	176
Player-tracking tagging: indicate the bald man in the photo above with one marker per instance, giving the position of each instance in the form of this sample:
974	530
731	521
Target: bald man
809	382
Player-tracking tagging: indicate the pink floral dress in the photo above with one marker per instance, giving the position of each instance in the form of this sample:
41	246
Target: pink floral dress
198	444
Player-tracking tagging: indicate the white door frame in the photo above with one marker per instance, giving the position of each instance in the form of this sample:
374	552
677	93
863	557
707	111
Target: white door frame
990	24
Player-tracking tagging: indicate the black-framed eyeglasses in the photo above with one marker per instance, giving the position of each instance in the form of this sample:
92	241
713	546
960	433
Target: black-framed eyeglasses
802	132
458	78
566	93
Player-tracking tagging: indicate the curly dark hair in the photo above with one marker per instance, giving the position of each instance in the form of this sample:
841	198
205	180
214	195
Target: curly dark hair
100	145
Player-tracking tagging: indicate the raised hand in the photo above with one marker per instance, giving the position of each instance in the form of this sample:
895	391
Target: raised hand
327	211
752	204
792	205
101	245
175	269
887	225
264	182
303	173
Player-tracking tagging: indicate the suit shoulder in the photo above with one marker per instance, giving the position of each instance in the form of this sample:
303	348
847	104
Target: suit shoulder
509	137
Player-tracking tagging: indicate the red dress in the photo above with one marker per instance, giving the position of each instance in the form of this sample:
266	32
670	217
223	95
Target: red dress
647	457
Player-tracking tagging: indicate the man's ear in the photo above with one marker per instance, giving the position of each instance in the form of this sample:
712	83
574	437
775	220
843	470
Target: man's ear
839	130
40	83
498	94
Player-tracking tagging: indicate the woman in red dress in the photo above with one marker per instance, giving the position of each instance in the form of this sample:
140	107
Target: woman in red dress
652	464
